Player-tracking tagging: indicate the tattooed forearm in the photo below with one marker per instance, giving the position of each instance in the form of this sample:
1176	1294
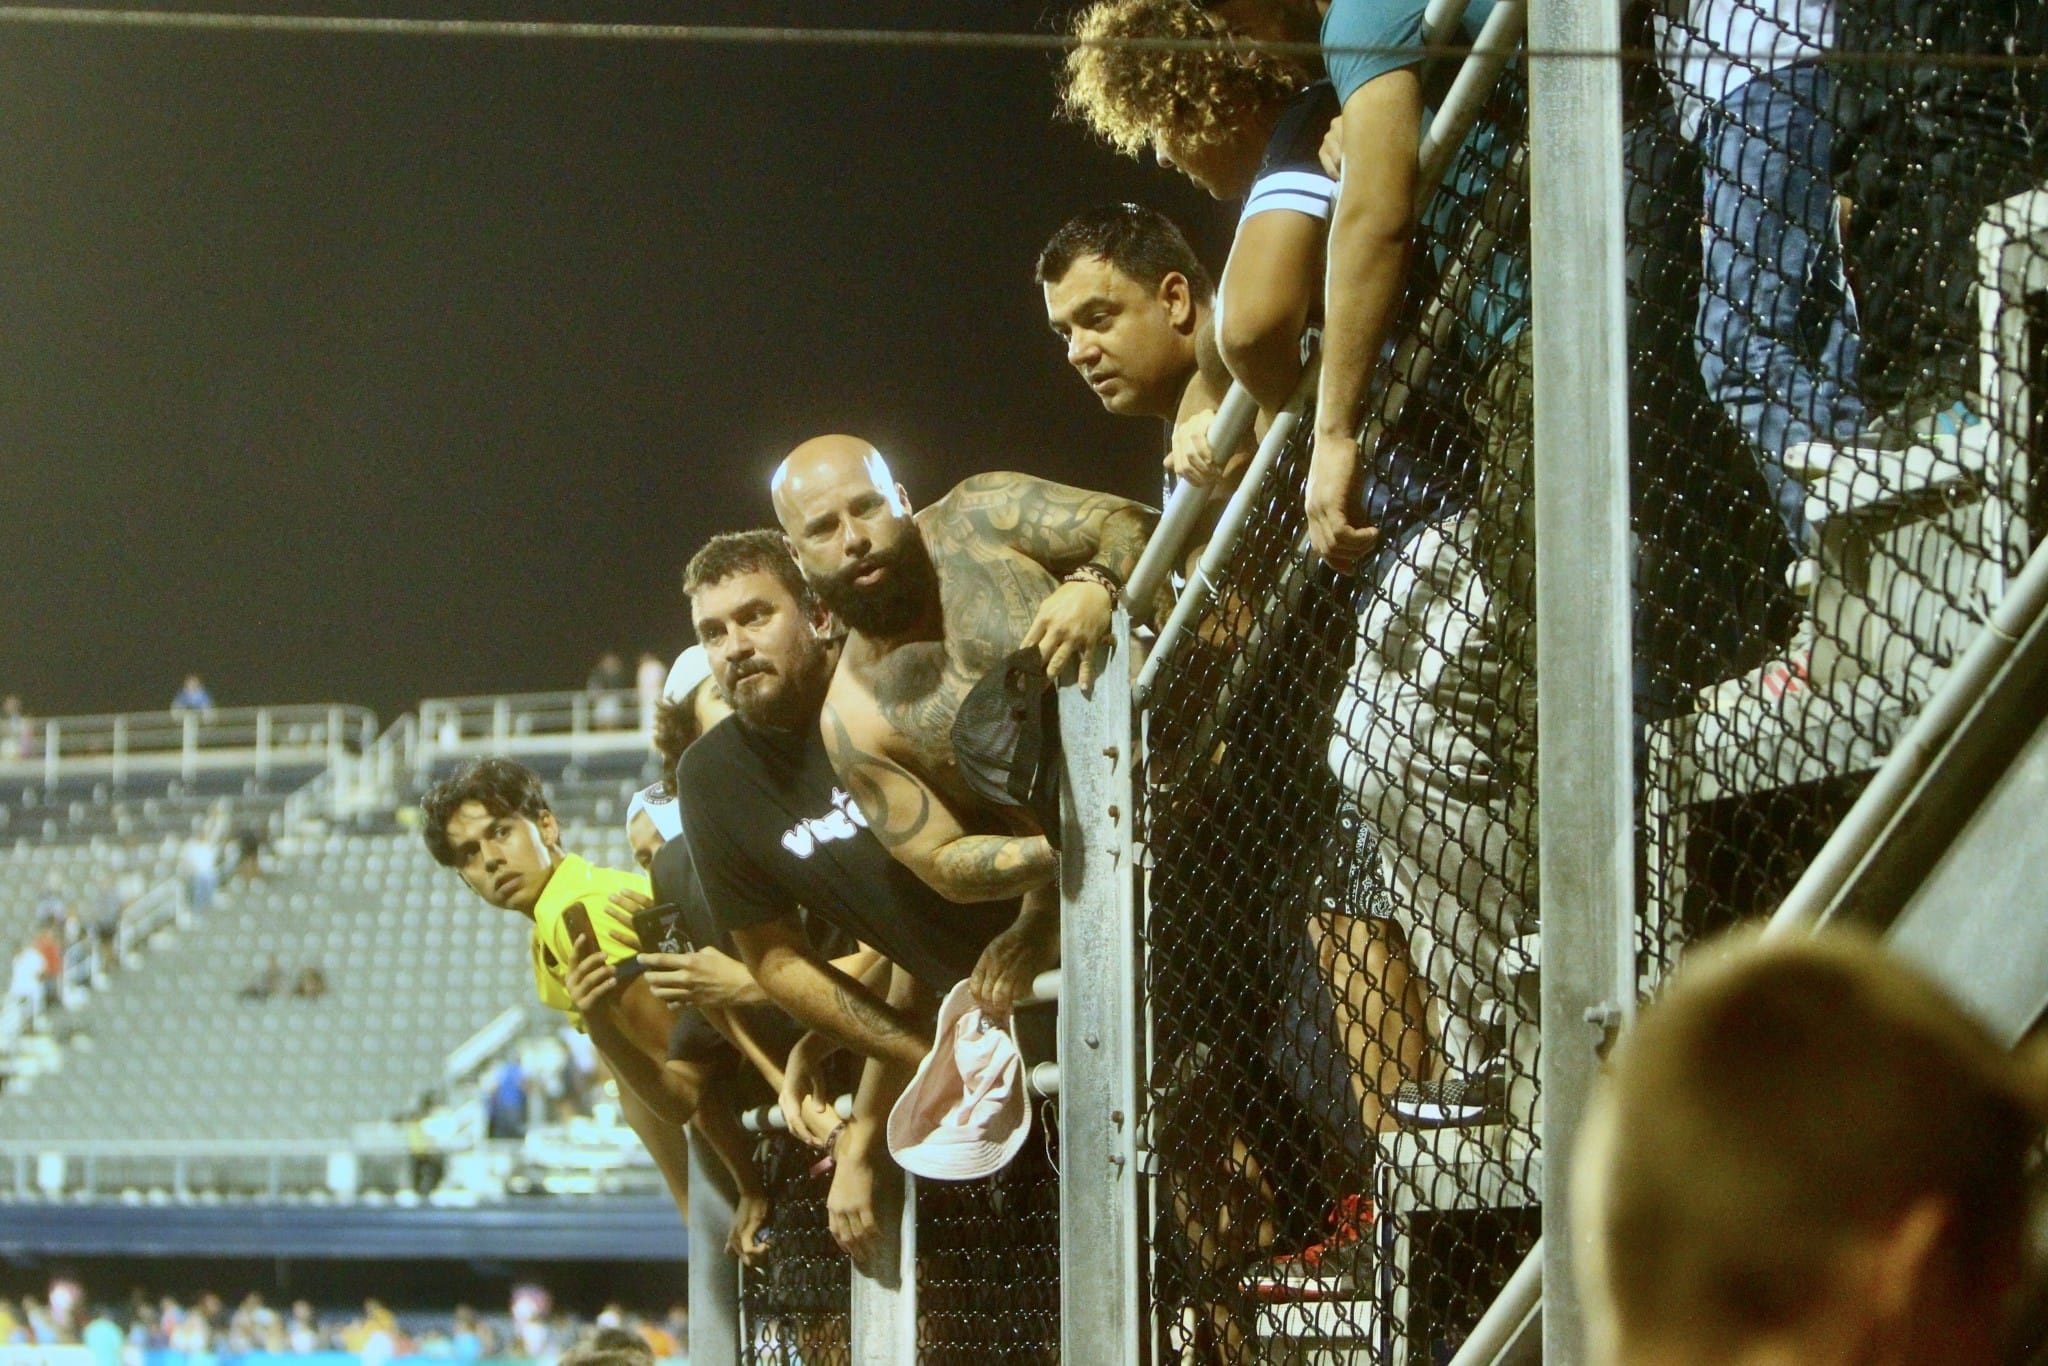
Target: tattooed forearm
872	1019
868	779
1124	533
992	867
1058	526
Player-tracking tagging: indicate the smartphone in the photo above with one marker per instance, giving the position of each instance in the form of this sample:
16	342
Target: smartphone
660	930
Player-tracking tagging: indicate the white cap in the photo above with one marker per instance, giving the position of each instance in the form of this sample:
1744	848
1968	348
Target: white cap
964	1115
661	808
692	667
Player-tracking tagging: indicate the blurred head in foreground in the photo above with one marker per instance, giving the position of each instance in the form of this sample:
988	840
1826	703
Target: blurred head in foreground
1805	1152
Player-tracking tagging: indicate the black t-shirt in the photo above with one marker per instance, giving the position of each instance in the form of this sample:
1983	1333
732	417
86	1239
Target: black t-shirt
771	830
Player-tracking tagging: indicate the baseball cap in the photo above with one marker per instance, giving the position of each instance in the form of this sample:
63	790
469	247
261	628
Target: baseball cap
661	808
692	667
1006	739
964	1115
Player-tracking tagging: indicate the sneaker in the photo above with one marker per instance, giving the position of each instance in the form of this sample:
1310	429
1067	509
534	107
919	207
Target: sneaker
1329	1269
1918	478
1453	1102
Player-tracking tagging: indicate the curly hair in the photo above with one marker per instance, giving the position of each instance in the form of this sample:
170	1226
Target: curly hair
1127	94
500	786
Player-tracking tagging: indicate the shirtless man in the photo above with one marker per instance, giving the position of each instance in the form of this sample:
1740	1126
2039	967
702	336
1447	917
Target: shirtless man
932	601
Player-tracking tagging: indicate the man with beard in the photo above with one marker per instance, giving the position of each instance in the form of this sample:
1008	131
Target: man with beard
932	602
772	830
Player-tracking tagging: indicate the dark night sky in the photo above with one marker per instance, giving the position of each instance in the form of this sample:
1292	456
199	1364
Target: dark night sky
368	369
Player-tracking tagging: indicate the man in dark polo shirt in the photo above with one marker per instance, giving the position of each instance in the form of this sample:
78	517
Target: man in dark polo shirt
771	830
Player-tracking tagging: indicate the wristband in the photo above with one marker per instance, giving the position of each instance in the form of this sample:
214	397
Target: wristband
1101	577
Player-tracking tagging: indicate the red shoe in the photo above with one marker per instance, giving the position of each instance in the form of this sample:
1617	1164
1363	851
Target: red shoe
1328	1269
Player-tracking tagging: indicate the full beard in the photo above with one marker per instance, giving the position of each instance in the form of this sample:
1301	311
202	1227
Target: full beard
791	700
908	590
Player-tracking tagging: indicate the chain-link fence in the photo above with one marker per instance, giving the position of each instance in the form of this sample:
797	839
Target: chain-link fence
1837	277
988	1261
795	1306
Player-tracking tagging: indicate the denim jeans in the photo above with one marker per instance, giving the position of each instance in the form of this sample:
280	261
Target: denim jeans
1777	332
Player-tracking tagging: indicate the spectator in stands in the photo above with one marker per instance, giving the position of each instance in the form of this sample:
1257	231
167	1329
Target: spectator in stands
1243	125
269	982
303	1335
52	904
249	842
690	705
772	830
1132	303
17	732
1805	1151
192	696
25	983
609	1346
648	677
1003	562
607	681
1777	333
50	948
106	913
310	984
491	823
199	861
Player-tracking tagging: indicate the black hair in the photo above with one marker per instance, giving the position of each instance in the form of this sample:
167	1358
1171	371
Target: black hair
1142	243
500	786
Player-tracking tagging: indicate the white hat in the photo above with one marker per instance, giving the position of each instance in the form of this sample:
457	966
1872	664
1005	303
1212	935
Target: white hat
964	1115
692	667
661	808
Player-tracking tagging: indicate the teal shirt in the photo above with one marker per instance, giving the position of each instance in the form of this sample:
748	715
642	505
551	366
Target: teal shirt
1366	39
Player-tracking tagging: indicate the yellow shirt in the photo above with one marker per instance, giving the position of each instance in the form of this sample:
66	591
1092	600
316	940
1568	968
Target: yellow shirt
577	880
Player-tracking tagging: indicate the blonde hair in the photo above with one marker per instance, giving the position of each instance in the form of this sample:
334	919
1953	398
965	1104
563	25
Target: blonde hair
1205	94
1784	1097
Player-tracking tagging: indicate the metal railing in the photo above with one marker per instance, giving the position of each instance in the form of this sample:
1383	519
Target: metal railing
185	743
578	724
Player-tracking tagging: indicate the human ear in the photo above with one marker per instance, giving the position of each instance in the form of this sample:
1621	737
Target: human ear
1177	297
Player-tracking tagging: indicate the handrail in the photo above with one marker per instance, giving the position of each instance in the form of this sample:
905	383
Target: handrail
185	741
1183	511
471	1053
763	1119
1223	541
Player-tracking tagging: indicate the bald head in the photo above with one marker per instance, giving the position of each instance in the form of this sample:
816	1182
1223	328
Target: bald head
850	527
830	464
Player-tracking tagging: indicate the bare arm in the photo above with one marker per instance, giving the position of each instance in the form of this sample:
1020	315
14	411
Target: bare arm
1059	527
1269	285
825	999
861	1158
1370	235
666	1143
921	830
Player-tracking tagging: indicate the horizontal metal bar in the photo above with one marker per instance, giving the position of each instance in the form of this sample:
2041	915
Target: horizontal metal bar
1045	987
764	1119
1044	1079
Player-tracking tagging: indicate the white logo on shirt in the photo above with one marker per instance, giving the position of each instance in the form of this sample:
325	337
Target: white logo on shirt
842	822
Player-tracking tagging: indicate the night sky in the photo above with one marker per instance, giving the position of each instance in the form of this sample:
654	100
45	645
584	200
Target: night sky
371	369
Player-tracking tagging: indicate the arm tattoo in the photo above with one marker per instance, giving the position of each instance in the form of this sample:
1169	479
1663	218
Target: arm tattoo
994	867
1058	526
862	773
876	1019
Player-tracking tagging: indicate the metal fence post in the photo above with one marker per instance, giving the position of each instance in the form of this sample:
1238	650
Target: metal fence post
884	1306
714	1274
1582	590
1101	1266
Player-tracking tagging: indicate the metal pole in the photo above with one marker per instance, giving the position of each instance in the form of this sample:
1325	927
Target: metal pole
262	743
884	1318
1102	1322
714	1274
1582	594
1234	418
52	743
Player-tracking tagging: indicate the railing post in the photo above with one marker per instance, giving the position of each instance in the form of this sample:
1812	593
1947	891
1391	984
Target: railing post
188	763
262	743
1582	592
120	752
1101	1255
335	747
714	1274
884	1317
501	722
52	744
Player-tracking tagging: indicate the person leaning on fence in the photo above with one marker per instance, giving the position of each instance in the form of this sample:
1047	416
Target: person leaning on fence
490	822
773	833
1436	733
1243	124
690	705
933	602
1133	305
1806	1152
